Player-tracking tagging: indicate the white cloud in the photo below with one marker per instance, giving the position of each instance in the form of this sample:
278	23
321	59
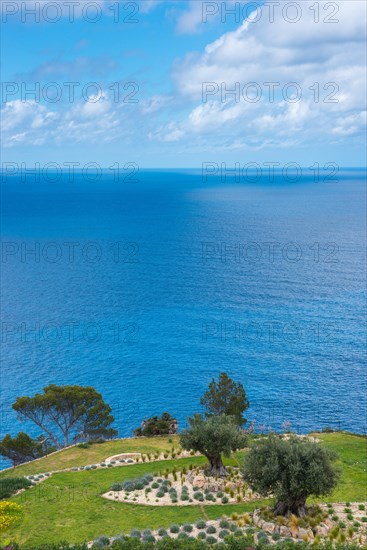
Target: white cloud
330	54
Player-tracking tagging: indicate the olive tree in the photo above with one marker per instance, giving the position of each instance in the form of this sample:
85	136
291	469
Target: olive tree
291	470
213	437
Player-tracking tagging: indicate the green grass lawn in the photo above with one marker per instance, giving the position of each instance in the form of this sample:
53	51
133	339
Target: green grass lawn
76	456
352	452
68	506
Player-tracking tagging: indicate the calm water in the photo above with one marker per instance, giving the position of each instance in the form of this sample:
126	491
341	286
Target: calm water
167	281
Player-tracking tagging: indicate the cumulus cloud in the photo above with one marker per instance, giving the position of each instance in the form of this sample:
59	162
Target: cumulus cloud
326	61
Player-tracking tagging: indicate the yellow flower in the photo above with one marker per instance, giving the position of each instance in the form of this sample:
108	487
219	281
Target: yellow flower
10	512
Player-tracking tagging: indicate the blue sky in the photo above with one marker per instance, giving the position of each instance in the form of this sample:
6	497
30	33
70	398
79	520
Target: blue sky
161	64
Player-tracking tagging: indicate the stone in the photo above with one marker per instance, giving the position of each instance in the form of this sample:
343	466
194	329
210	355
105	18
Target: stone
198	481
302	533
323	530
268	526
285	531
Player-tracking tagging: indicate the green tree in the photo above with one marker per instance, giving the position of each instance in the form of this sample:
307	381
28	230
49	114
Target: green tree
213	437
21	448
291	470
155	425
64	412
226	397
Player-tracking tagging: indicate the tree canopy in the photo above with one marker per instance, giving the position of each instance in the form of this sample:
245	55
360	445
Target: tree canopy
291	470
22	448
67	412
226	397
155	425
213	437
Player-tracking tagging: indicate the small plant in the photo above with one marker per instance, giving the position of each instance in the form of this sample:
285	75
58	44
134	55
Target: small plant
361	507
350	517
201	524
149	538
135	533
364	519
224	524
224	500
275	536
347	510
341	524
160	494
188	528
201	535
174	528
162	532
211	540
220	494
223	533
101	542
335	518
211	530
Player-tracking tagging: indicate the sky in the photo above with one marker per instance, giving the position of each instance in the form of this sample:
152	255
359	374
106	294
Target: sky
174	84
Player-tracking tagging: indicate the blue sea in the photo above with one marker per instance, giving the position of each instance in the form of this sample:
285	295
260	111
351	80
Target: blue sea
147	289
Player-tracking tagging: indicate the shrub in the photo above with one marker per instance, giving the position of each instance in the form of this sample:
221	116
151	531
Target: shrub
224	500
364	519
174	528
135	533
201	524
116	487
10	485
160	494
188	528
155	485
198	495
350	517
211	540
149	538
224	524
361	507
347	510
223	533
211	529
135	484
184	496
162	532
201	535
219	494
335	518
101	542
103	464
155	425
275	536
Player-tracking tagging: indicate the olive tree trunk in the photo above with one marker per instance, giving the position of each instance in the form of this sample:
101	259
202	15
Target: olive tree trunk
216	466
295	505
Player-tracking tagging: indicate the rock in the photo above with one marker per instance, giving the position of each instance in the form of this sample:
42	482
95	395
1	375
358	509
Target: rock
323	530
285	531
198	481
302	533
268	526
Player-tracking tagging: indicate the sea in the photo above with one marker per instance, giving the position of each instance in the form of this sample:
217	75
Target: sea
148	286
